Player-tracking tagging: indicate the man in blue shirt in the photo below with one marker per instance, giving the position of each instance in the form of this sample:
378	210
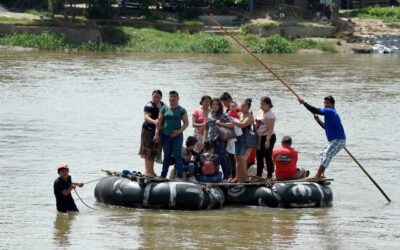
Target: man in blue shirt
333	129
63	186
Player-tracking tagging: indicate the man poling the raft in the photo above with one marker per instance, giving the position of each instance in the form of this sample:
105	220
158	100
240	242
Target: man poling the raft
333	129
295	94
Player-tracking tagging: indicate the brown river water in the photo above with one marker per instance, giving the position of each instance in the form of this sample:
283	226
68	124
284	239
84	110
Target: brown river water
86	110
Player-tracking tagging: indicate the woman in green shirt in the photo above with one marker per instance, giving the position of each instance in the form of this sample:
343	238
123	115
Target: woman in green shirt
170	129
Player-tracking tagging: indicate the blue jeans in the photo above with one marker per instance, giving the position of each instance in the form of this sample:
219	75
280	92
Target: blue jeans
220	148
190	168
210	179
172	145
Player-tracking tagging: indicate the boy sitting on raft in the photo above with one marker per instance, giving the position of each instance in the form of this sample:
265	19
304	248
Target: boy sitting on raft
189	157
209	165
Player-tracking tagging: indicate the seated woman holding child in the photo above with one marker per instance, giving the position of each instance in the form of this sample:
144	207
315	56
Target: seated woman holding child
208	170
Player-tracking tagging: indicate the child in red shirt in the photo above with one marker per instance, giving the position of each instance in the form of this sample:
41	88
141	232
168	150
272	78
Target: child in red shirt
233	110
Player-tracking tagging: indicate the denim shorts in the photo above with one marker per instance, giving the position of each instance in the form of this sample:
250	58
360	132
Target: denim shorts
331	149
240	146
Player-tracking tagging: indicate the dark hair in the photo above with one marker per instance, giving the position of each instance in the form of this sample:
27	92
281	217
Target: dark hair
191	141
267	100
221	107
173	92
247	102
225	96
208	146
204	97
157	91
330	98
287	140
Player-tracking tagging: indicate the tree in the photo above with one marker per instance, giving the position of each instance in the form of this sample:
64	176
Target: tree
100	8
50	7
335	12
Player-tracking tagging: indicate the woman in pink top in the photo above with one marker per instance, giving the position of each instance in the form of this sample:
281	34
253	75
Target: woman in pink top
199	119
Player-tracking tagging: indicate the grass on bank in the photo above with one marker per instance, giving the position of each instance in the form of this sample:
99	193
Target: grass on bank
120	38
278	44
49	41
37	12
152	40
33	22
391	15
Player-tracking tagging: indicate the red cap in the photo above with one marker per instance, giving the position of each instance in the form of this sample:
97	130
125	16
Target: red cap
62	166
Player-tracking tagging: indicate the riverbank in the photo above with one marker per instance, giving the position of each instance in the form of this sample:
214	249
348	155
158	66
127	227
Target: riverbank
260	35
129	39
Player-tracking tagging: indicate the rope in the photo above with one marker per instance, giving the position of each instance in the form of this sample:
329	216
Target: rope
95	180
83	201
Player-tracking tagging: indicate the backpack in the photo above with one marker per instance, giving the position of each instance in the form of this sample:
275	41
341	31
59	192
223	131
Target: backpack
208	168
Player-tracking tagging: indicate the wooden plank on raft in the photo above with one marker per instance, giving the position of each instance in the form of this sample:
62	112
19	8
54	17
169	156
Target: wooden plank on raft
226	184
306	180
146	179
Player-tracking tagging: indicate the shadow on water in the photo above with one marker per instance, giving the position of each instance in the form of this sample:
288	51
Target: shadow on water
231	227
62	229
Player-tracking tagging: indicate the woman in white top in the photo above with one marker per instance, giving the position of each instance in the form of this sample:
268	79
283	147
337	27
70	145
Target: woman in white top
265	122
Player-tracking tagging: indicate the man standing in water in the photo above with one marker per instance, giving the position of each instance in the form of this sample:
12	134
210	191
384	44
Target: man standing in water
63	186
333	129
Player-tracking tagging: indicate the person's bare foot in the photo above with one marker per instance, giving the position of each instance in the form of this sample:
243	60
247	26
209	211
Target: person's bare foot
233	180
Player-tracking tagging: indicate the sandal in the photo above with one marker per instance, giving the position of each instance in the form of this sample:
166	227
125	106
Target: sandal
254	179
234	181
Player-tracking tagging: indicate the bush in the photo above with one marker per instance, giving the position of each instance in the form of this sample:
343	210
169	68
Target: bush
213	44
115	35
304	43
272	44
93	46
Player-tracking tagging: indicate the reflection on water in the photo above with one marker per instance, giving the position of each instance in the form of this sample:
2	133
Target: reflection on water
62	228
86	110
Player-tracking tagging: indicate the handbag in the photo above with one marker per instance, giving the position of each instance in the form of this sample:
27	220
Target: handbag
250	138
208	167
226	134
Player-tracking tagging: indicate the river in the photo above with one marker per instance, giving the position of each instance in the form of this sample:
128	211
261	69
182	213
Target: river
86	110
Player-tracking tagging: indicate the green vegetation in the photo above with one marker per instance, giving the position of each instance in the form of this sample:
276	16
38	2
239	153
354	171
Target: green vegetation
272	44
151	40
121	38
49	41
100	8
34	22
14	20
37	12
306	43
391	15
278	44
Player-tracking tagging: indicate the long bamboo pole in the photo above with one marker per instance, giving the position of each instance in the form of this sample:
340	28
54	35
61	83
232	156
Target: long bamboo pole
295	94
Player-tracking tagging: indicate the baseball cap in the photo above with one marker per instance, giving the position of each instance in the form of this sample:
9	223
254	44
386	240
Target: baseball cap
62	166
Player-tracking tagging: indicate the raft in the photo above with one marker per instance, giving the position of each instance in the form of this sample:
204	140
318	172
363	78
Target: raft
121	191
116	190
